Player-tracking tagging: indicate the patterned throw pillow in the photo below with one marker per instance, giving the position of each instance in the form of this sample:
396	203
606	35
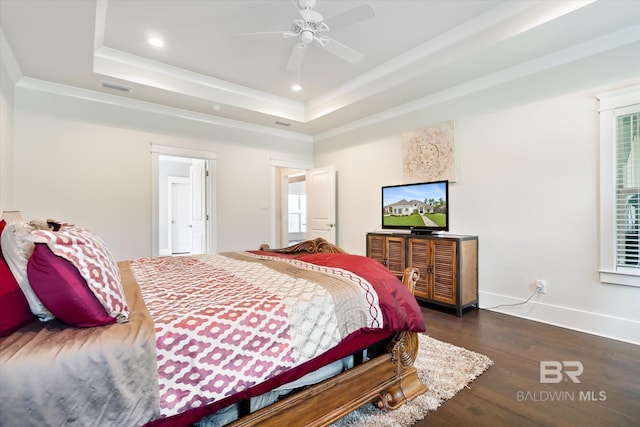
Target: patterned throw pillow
90	256
14	308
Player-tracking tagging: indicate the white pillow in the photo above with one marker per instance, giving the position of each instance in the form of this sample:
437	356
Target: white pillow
16	251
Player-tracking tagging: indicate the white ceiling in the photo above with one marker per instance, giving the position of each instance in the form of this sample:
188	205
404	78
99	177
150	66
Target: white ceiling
412	50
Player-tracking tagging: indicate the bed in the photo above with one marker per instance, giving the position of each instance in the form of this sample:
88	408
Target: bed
167	355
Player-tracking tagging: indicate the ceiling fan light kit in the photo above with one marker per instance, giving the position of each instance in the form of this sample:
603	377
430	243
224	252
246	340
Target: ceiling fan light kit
305	38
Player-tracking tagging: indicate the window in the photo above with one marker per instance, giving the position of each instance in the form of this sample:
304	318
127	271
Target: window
620	187
297	213
627	190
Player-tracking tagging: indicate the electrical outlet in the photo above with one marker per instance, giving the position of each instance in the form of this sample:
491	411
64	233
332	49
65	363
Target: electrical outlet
541	285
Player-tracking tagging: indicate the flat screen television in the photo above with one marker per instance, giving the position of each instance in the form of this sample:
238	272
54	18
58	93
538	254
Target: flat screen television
422	207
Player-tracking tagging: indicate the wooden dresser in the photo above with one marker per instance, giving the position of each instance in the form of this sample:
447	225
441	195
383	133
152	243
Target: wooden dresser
448	265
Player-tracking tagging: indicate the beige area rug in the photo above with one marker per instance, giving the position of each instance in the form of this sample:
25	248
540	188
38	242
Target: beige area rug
444	368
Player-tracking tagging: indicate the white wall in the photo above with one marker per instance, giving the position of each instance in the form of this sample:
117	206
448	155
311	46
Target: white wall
528	187
89	163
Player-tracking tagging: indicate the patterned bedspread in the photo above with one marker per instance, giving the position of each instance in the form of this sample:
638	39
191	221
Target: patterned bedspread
228	321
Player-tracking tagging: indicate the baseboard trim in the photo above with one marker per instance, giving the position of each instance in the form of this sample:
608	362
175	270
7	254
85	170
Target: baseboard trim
603	325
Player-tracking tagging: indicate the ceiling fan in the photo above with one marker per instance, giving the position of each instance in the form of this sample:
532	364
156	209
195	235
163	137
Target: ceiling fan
312	27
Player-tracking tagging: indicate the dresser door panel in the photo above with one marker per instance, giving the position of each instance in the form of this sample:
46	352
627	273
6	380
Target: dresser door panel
444	271
395	253
420	258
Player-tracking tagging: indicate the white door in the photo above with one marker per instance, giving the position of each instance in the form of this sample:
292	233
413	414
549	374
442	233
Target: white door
180	217
198	207
321	203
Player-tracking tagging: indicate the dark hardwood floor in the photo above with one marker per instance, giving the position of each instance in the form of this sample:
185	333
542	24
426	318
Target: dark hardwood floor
510	393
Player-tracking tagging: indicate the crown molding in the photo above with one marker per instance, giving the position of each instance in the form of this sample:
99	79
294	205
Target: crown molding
622	37
122	65
115	100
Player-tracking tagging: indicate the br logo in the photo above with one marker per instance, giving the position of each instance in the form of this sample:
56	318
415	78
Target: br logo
554	371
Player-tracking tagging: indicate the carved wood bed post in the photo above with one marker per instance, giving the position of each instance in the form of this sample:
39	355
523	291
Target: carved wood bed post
404	352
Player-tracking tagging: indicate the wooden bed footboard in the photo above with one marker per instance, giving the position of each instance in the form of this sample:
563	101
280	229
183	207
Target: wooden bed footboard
388	380
315	246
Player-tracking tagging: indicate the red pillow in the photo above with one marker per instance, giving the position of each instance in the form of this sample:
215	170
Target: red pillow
91	257
63	290
14	308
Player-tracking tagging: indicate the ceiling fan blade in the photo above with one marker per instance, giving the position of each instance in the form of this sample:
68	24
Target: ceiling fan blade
342	51
296	4
352	16
261	35
296	58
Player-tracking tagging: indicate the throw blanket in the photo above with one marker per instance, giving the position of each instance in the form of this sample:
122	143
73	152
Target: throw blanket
228	321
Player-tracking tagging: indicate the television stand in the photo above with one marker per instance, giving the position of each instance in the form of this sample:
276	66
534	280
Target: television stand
448	265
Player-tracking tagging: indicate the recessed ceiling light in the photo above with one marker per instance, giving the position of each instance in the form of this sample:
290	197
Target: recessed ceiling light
296	87
155	41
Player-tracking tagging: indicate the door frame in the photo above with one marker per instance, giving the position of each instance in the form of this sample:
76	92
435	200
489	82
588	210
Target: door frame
156	151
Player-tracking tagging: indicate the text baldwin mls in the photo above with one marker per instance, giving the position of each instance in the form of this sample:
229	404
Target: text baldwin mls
560	396
556	372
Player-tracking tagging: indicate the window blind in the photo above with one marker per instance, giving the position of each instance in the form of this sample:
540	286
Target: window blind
627	204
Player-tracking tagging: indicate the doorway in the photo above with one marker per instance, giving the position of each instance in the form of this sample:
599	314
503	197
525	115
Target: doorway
296	207
179	209
182	204
183	201
291	206
307	205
